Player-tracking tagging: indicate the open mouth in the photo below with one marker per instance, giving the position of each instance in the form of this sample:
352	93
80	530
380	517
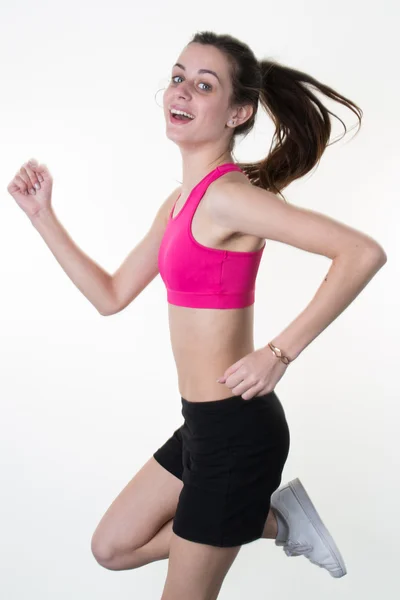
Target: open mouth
177	118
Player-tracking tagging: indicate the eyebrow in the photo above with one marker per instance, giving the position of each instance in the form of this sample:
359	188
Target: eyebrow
199	71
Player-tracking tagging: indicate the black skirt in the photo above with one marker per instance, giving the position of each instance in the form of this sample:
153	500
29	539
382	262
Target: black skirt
230	455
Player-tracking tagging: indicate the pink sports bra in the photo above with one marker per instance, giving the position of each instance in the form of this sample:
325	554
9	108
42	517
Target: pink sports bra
198	276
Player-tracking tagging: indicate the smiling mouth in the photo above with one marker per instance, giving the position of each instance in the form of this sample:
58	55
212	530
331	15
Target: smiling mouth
181	119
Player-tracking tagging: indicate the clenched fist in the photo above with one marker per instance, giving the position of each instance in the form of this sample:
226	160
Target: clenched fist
31	188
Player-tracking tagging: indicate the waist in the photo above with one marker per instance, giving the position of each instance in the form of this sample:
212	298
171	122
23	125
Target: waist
204	344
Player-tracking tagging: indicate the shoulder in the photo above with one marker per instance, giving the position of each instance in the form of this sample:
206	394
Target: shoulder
220	189
227	205
229	192
242	207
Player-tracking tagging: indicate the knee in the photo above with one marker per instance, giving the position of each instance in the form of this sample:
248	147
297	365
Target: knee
114	557
103	552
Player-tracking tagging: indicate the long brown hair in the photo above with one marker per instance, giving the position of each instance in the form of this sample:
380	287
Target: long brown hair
302	123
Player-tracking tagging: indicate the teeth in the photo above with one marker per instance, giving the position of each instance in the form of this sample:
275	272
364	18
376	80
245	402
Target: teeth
181	112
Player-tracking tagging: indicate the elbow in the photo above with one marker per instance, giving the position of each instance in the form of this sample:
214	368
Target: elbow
375	253
107	312
110	306
370	258
383	258
111	310
373	259
379	255
364	247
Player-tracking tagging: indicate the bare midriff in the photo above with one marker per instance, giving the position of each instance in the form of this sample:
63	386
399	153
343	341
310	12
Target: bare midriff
205	342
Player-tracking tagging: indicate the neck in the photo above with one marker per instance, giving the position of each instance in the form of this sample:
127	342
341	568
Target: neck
196	165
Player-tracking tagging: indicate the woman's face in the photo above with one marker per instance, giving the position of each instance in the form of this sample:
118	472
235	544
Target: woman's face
202	94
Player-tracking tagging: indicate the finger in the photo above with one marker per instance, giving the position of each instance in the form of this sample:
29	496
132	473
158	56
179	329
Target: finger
32	176
239	388
245	396
233	368
248	386
250	393
25	176
21	183
23	173
234	374
34	165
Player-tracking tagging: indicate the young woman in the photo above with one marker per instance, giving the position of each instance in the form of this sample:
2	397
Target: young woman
214	485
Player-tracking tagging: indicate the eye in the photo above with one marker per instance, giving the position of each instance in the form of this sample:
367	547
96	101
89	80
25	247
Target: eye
201	82
209	86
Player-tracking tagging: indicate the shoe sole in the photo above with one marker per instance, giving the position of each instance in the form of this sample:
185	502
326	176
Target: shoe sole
305	501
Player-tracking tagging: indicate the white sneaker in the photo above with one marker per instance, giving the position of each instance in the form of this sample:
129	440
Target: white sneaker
307	535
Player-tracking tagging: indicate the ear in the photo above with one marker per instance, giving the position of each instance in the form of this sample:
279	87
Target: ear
242	115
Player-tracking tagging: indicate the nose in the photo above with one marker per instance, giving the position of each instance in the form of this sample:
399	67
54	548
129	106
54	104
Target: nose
184	90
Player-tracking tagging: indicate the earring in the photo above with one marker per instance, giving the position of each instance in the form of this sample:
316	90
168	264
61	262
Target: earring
232	122
155	96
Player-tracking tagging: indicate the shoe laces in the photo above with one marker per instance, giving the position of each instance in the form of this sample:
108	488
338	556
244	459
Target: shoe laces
297	549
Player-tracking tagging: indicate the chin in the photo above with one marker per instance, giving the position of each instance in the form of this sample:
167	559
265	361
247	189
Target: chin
175	135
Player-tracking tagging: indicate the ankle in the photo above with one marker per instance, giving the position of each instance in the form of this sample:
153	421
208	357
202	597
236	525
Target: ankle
271	526
282	527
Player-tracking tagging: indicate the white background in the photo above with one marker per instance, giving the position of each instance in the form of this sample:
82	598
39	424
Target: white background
86	399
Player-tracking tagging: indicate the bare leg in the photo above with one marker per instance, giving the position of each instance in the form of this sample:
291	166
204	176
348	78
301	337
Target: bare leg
195	570
158	547
271	527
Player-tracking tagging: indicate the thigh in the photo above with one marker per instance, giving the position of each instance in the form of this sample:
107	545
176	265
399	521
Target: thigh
196	570
139	511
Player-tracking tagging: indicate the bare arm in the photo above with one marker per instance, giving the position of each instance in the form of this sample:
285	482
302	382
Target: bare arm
141	265
108	293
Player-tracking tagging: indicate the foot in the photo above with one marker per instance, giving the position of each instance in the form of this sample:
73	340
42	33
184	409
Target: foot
307	535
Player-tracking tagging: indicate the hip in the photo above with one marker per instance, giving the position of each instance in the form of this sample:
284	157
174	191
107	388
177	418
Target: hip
232	422
246	441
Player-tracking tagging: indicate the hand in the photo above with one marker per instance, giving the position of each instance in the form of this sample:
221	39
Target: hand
32	173
255	374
